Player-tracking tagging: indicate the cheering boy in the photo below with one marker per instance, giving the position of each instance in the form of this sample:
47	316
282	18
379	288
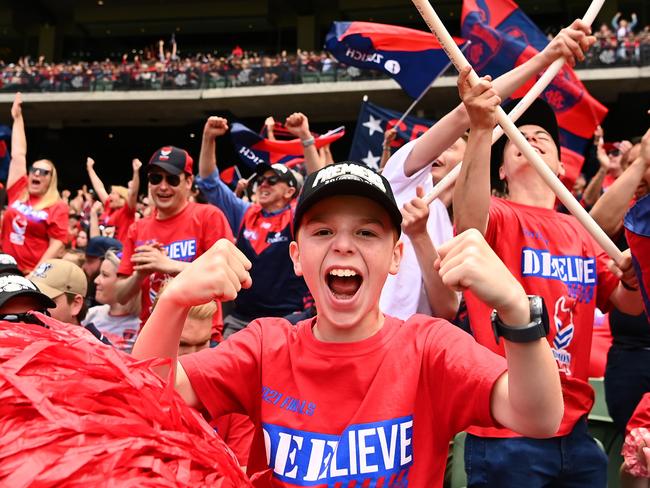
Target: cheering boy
353	396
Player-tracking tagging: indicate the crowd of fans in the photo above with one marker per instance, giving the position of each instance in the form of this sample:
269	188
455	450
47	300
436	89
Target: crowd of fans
107	258
620	44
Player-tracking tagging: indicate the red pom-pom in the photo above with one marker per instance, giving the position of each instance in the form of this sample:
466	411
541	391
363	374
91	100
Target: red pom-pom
74	412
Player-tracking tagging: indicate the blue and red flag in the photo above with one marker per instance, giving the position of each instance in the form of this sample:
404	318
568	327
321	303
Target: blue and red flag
411	57
373	121
5	155
253	148
637	232
503	37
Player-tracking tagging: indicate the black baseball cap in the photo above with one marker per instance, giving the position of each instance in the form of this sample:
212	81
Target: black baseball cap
8	265
285	174
172	159
12	286
347	178
539	113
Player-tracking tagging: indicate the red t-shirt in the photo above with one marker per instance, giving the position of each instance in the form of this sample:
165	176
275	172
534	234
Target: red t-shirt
237	431
26	232
184	237
641	415
553	256
378	412
120	218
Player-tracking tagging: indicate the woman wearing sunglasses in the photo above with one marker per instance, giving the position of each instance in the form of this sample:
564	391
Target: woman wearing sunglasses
35	224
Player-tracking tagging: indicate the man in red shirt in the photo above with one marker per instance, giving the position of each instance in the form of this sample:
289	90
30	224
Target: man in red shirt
177	232
551	255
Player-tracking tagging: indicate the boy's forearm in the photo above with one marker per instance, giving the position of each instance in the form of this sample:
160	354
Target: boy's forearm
534	390
442	300
160	336
472	191
594	188
312	160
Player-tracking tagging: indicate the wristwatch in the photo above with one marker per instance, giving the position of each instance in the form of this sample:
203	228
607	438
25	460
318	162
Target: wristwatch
536	329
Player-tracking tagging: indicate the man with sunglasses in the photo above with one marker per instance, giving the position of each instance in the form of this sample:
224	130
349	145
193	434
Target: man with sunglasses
178	231
263	229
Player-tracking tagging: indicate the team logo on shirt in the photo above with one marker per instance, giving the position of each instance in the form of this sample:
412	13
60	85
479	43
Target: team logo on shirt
181	250
18	229
563	319
372	454
578	273
276	237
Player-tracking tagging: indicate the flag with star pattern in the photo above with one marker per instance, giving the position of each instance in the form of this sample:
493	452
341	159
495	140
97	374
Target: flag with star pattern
373	121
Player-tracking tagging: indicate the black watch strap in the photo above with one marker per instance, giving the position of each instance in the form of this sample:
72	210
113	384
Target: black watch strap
536	329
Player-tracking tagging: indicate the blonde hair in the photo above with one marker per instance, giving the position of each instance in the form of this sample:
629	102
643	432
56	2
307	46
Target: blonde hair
51	195
198	312
205	311
121	191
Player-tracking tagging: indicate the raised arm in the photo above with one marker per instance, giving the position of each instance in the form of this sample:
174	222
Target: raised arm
96	181
610	209
95	210
216	275
298	125
528	398
571	42
214	127
472	191
134	184
269	123
442	300
18	164
595	187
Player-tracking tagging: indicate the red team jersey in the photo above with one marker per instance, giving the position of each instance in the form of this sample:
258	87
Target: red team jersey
553	256
120	218
378	412
26	232
184	237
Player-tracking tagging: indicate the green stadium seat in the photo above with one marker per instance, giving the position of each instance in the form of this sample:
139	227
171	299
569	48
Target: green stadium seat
458	476
309	77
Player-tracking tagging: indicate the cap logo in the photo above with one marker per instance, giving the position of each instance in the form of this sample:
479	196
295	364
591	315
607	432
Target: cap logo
11	283
7	259
348	171
41	271
280	167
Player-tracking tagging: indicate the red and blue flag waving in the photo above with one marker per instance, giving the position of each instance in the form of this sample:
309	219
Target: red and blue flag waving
503	37
411	57
253	148
637	232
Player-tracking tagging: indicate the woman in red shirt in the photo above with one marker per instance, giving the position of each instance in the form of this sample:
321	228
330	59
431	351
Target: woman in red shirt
35	224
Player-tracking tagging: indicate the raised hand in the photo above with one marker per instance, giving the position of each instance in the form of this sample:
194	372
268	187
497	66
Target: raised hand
17	106
415	215
298	125
136	164
218	274
90	164
481	100
571	43
215	127
467	262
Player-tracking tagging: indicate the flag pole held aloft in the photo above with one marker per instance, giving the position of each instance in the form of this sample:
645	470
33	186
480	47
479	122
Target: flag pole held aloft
437	27
537	89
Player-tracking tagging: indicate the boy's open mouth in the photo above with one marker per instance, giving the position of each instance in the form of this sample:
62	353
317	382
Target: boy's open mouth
343	282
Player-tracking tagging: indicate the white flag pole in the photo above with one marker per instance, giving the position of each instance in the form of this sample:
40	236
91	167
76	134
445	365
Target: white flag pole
437	27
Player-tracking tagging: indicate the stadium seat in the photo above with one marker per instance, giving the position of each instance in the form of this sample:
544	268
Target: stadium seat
458	476
309	77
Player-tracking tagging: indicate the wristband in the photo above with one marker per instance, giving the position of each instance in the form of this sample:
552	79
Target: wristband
308	142
386	148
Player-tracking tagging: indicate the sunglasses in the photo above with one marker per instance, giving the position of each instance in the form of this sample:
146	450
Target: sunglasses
40	171
26	318
271	180
157	178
